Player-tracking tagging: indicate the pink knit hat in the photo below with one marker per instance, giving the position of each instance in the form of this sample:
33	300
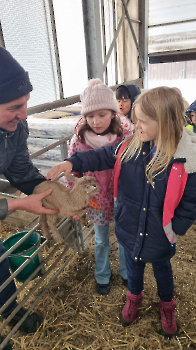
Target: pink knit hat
97	96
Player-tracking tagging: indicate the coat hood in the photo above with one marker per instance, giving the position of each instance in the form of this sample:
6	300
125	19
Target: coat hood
187	149
192	107
134	91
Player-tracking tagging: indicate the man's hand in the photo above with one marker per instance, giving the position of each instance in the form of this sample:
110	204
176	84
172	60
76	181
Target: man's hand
63	167
32	204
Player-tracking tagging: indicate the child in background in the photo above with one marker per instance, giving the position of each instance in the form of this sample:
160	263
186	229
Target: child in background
125	96
101	126
191	114
156	194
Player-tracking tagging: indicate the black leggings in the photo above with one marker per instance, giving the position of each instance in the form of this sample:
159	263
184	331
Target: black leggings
10	289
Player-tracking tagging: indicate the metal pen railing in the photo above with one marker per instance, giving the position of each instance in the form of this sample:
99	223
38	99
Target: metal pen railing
66	228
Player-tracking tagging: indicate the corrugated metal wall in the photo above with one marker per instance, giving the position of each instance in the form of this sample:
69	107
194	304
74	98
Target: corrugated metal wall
164	36
179	36
172	71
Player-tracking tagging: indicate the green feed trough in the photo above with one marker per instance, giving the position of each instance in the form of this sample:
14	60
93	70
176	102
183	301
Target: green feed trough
19	255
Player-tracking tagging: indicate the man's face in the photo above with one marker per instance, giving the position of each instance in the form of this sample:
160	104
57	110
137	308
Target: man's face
12	112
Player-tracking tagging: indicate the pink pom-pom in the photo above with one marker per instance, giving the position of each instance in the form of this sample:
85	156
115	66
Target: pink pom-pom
94	82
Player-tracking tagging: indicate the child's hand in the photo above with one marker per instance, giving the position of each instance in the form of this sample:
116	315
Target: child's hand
75	217
63	167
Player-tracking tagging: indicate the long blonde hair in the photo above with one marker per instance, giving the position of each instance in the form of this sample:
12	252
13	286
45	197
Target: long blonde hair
164	105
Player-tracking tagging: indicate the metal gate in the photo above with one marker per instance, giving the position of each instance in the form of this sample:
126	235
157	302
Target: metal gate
67	228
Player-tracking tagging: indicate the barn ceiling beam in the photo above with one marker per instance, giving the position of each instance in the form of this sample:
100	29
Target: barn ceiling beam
143	38
71	100
92	25
115	37
114	6
104	39
171	23
2	43
58	66
172	56
134	36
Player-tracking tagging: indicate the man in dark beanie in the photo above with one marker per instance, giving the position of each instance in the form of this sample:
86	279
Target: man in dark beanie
15	164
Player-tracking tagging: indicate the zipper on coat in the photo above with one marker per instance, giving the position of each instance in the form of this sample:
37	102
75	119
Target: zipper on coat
6	141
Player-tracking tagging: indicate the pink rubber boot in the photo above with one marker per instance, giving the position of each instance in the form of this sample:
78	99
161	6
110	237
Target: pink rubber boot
168	320
131	308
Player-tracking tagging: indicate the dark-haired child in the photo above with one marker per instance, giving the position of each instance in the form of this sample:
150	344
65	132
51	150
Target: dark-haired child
125	96
191	114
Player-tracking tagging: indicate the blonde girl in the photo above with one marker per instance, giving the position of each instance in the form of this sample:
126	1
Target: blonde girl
156	194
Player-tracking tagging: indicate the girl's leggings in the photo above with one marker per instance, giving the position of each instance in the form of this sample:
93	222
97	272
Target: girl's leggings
102	251
162	272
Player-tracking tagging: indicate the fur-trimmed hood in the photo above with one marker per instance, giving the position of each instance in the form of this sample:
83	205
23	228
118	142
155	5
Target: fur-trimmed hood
187	149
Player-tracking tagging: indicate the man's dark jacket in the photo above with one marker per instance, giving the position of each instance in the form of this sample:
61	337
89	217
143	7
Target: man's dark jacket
15	163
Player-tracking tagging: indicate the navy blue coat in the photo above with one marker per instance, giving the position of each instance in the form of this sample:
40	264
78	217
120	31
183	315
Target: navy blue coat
15	163
140	206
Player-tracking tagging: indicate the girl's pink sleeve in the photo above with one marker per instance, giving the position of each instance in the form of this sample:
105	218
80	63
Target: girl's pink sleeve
128	126
72	148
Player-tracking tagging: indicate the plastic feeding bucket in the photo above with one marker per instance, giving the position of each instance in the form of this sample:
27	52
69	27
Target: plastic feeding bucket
19	255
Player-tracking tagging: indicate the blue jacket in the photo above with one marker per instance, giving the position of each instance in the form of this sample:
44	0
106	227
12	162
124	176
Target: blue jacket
140	206
191	108
15	163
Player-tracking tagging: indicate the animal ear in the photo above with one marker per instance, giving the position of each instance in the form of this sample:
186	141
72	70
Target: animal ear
89	188
71	177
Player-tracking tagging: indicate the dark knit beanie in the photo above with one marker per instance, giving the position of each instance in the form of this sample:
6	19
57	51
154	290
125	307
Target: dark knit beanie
14	81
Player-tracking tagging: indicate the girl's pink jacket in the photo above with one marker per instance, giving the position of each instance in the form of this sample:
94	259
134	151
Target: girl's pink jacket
101	207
